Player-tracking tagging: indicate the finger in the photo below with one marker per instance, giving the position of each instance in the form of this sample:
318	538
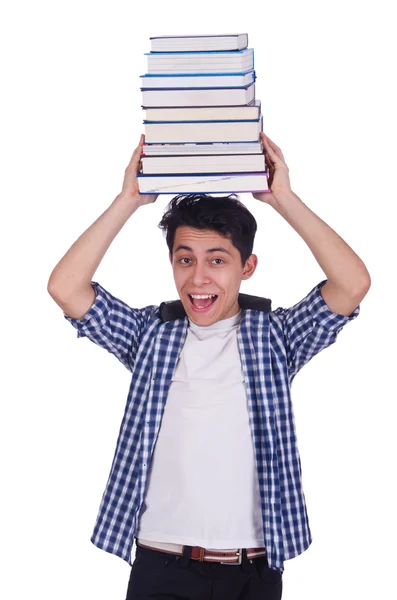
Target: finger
138	149
137	152
268	162
274	147
268	149
270	141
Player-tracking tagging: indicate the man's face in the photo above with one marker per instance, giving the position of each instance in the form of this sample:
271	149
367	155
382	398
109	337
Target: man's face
205	263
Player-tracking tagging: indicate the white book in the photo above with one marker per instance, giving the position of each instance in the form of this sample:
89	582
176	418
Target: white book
204	113
199	97
237	61
187	43
224	163
205	132
193	184
209	80
200	149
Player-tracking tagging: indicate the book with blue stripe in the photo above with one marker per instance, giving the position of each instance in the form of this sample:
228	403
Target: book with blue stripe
199	131
202	149
199	96
197	80
236	61
249	112
227	163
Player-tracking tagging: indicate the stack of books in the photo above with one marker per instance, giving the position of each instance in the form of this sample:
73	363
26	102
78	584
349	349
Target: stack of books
202	121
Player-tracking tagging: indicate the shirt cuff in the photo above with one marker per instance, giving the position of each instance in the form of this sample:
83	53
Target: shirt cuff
321	313
95	318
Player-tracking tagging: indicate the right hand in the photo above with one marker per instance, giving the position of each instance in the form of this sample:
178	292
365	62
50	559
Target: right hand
130	183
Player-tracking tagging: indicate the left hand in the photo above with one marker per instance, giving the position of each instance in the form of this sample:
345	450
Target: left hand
279	183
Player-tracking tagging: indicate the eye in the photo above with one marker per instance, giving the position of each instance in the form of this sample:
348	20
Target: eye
185	258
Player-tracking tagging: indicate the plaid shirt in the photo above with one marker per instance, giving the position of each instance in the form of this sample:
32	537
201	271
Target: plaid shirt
274	346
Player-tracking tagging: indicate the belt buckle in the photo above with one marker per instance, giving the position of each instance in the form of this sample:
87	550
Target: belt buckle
240	558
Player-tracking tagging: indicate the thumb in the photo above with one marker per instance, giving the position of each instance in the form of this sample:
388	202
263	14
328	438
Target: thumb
136	155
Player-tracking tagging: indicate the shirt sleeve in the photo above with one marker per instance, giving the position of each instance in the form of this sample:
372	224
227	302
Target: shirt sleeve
113	325
310	326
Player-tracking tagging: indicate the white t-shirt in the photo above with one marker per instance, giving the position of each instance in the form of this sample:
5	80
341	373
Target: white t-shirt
203	485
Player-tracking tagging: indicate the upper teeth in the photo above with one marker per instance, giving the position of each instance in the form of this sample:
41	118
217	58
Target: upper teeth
199	296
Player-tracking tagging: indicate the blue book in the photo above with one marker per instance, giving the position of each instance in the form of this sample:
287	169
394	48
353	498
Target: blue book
213	149
235	61
204	113
192	132
197	80
199	96
203	163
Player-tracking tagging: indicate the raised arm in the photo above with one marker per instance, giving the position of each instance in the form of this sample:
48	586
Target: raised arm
348	279
70	281
92	310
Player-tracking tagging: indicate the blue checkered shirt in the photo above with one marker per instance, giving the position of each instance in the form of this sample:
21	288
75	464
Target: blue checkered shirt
274	346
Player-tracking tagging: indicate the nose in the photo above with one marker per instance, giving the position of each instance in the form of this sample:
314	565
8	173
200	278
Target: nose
200	275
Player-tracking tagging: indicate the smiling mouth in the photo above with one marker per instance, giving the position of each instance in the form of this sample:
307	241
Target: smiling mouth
202	304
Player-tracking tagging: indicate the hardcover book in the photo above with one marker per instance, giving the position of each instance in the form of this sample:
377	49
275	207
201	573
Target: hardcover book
196	80
226	163
180	43
200	149
198	131
248	112
191	184
236	61
199	97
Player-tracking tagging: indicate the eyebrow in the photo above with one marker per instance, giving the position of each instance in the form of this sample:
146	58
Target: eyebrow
217	249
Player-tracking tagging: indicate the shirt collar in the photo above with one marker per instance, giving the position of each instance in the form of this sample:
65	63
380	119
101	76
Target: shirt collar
173	309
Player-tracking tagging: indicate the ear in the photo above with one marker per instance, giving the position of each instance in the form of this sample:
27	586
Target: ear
250	266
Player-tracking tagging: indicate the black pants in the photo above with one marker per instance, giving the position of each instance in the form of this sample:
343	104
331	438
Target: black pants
162	576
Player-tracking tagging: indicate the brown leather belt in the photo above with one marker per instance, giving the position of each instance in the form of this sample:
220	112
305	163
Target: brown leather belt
224	557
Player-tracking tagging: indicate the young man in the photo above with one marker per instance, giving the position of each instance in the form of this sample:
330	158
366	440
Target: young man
206	474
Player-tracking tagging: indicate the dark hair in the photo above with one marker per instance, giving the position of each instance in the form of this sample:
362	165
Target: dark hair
225	214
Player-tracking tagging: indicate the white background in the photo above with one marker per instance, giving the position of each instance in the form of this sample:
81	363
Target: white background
71	117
